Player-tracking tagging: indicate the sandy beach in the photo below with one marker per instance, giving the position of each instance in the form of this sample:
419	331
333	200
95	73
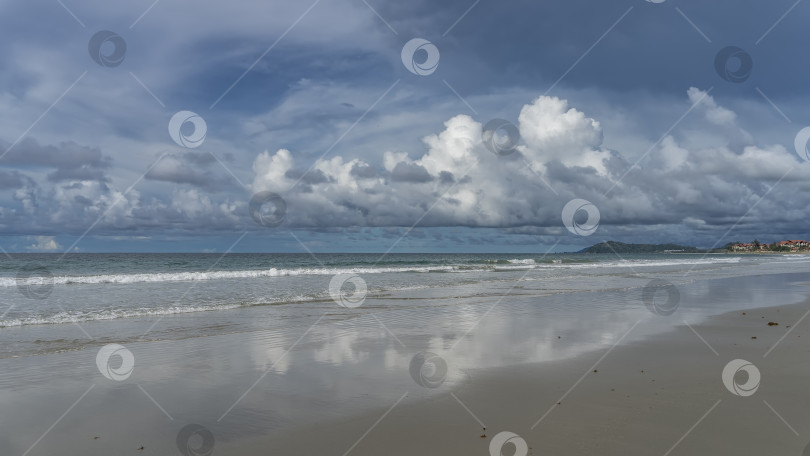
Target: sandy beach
660	396
568	374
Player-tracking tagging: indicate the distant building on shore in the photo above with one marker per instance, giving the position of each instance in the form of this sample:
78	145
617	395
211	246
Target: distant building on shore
793	245
782	246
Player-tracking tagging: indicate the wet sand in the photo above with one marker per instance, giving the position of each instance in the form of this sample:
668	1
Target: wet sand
660	396
608	381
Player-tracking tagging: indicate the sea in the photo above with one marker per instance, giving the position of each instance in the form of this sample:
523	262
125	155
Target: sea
53	303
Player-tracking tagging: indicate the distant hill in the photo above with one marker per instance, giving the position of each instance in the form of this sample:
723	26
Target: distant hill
620	247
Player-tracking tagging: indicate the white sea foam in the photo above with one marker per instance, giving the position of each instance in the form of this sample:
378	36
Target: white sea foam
78	317
523	261
213	275
274	272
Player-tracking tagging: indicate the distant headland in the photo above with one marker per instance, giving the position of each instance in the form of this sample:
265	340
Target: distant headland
621	247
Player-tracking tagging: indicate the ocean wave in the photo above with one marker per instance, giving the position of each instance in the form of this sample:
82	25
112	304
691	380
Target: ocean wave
523	261
79	317
493	265
211	275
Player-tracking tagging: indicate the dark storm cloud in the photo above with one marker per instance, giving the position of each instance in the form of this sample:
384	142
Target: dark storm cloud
409	172
71	160
364	171
311	177
197	169
10	180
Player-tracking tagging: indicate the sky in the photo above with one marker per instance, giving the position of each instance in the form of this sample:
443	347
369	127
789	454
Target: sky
424	126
